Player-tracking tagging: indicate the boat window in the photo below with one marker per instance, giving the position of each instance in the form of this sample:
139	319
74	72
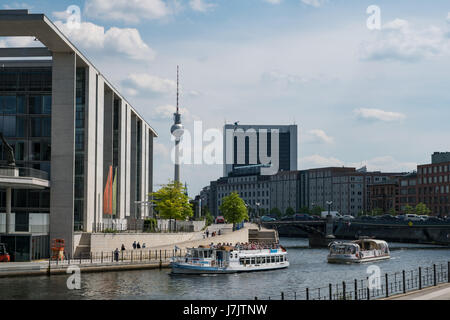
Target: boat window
247	261
241	261
253	261
272	259
281	258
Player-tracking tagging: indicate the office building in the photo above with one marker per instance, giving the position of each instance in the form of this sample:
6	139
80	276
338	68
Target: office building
249	145
93	151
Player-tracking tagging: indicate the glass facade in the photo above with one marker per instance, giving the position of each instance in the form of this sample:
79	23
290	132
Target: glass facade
79	149
25	120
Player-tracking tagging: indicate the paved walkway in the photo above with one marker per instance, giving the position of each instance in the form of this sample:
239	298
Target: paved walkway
440	292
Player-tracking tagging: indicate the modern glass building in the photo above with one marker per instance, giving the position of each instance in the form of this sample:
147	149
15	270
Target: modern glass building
64	118
242	146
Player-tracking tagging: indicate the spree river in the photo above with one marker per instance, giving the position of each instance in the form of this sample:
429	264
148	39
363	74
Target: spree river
308	268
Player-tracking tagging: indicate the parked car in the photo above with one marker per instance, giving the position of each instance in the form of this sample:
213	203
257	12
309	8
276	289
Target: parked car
434	219
316	217
388	217
366	218
423	217
220	219
288	218
412	217
334	214
347	217
401	217
267	219
302	217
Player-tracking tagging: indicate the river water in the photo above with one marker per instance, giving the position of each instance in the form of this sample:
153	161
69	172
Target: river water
308	268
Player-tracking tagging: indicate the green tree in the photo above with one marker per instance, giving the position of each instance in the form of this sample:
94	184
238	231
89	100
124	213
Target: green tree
316	210
289	211
392	211
276	212
422	209
208	217
233	209
305	210
171	202
409	210
377	212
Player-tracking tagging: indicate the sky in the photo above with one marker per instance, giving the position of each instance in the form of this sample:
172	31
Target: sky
360	96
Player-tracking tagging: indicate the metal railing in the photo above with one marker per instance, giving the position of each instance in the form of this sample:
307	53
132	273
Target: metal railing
6	171
389	285
125	256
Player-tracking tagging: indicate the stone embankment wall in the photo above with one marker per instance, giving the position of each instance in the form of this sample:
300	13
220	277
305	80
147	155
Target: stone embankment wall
163	241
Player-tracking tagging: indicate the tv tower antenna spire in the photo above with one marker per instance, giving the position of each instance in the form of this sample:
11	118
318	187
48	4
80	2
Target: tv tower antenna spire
177	131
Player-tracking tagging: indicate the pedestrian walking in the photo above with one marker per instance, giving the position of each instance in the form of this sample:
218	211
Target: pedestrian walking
116	254
138	246
134	245
143	245
207	233
123	247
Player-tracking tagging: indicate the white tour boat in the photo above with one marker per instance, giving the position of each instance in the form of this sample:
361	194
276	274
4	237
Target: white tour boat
229	259
363	250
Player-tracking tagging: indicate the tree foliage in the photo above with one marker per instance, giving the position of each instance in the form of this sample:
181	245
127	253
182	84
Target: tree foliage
276	212
208	217
409	210
289	211
233	208
171	202
422	209
317	210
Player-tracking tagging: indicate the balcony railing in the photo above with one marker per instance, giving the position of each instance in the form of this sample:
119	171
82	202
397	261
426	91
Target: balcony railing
6	171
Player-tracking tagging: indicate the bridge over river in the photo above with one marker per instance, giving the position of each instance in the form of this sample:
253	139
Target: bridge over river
398	231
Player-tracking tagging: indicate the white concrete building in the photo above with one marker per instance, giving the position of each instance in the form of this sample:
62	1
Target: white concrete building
89	130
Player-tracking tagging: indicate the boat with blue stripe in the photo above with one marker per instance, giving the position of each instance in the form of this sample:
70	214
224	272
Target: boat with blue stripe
230	259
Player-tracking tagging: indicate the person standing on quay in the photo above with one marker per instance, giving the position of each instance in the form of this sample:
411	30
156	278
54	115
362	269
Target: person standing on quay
134	245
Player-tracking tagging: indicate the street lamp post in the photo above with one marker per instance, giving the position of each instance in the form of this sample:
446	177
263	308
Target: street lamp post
329	203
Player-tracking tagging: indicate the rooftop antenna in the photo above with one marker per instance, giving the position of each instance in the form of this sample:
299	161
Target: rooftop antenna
177	85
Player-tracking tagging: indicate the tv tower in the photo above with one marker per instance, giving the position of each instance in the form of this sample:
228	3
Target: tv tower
177	131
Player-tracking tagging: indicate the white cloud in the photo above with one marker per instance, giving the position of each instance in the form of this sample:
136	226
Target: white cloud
125	41
166	112
317	161
149	83
17	5
201	5
317	136
19	42
382	163
129	11
378	115
314	3
397	40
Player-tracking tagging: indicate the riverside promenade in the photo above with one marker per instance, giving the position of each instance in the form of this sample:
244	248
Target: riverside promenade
440	292
148	258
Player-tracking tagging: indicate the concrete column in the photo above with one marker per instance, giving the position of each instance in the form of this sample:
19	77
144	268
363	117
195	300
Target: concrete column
8	210
99	147
127	161
150	168
90	155
63	148
144	145
133	166
122	159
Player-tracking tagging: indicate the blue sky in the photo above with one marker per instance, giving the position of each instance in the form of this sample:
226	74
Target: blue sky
360	97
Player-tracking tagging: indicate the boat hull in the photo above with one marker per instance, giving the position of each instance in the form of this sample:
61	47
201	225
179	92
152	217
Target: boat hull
346	260
181	268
